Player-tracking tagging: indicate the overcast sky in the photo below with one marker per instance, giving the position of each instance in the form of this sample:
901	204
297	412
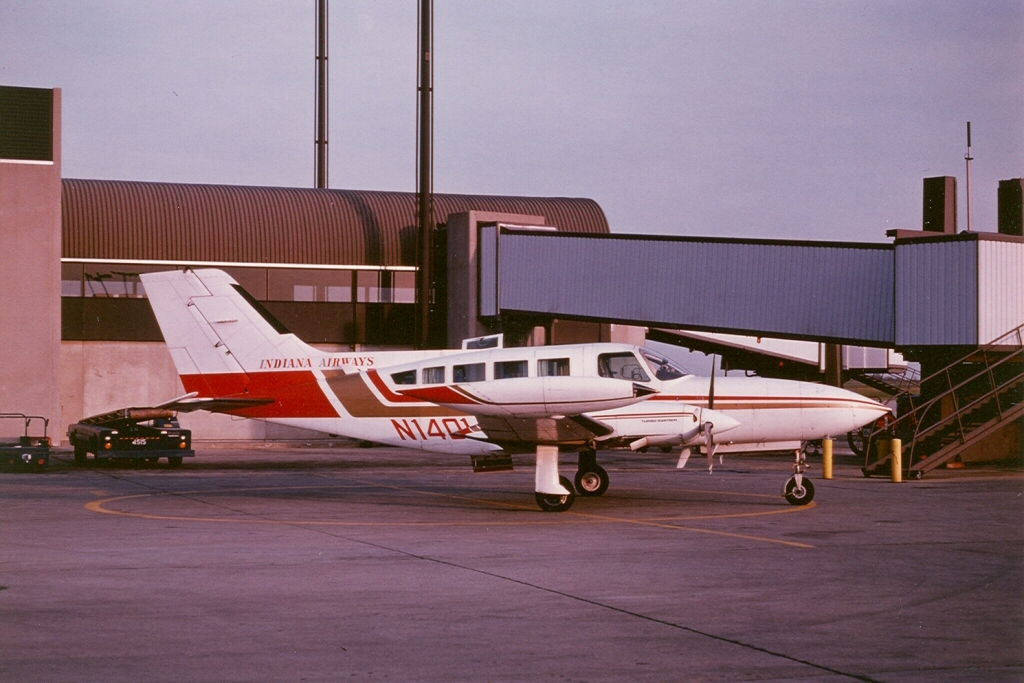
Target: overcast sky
781	119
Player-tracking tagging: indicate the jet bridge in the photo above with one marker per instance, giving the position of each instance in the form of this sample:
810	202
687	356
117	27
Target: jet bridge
923	291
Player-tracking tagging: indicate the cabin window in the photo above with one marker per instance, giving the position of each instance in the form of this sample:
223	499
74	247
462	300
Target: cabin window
510	368
553	367
433	375
621	366
474	372
406	377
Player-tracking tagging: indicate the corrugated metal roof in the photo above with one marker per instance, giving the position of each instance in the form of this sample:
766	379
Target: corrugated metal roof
116	219
823	290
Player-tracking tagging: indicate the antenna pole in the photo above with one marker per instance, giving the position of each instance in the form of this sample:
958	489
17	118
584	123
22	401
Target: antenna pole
968	158
321	93
425	179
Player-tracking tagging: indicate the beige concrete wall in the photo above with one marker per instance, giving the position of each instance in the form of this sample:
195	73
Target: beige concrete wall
463	270
97	377
30	244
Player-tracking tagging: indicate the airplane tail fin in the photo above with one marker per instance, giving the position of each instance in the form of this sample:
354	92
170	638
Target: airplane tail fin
213	327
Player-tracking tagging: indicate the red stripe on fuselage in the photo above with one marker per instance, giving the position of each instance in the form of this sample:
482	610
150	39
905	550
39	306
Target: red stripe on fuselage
296	393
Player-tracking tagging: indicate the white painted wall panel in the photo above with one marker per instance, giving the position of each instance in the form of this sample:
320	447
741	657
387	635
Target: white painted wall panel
1000	288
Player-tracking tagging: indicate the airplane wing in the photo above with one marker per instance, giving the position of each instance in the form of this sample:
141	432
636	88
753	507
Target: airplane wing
526	433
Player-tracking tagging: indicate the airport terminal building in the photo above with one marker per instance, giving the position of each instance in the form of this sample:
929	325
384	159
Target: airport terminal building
338	268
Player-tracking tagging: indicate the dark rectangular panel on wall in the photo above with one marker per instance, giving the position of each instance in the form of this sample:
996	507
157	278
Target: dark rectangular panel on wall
108	319
1011	207
939	212
26	124
315	322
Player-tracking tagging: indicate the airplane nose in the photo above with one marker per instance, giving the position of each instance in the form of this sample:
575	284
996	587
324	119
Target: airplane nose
864	410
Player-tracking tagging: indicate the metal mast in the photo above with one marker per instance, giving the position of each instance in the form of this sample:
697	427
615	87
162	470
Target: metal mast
968	158
425	179
321	93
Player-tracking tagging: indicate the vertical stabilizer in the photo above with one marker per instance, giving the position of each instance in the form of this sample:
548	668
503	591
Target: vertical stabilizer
211	327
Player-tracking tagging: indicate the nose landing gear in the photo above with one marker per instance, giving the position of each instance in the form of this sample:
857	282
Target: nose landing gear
798	490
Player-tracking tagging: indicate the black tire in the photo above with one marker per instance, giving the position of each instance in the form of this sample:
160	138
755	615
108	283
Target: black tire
81	455
794	497
552	503
174	461
858	441
591	482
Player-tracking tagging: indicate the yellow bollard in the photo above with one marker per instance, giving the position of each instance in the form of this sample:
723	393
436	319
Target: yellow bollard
897	461
826	458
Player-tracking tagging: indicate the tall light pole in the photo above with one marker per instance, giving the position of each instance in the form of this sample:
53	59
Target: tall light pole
321	93
425	178
968	159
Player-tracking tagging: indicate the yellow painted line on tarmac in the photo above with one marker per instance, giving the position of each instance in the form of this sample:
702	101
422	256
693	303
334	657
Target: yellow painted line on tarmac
713	532
100	506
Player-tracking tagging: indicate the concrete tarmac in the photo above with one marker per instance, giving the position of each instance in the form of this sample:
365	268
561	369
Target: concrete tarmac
334	564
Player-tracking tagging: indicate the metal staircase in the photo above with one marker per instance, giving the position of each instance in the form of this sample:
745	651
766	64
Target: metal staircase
969	400
890	384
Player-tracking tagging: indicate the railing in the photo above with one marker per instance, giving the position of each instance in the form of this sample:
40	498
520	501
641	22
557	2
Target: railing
967	396
27	419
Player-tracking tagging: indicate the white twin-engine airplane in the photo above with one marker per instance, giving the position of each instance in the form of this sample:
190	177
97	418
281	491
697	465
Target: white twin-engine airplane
234	357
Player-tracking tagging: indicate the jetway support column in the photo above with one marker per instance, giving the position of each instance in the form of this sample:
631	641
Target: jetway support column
834	365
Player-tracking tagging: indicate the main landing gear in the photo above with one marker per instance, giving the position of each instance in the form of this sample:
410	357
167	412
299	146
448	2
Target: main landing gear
591	478
555	493
798	490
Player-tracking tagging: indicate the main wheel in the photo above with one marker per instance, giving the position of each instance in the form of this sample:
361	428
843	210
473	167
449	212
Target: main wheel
81	455
858	440
592	481
553	503
801	496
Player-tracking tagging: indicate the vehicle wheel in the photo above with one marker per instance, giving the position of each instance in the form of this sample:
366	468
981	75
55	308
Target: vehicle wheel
591	482
858	441
552	503
81	455
174	461
795	497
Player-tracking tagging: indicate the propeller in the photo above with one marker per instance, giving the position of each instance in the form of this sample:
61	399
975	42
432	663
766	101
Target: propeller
709	443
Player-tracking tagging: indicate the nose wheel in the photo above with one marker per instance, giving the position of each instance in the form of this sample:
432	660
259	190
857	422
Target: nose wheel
798	489
556	503
591	478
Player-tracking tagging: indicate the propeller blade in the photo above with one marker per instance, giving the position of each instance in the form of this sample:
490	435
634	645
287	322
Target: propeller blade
711	390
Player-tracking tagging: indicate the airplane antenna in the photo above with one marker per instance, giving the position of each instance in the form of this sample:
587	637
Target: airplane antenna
968	158
711	391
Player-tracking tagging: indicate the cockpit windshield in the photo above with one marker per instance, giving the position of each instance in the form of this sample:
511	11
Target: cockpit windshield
662	367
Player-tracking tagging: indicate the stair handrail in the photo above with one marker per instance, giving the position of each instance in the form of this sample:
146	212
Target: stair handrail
919	411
